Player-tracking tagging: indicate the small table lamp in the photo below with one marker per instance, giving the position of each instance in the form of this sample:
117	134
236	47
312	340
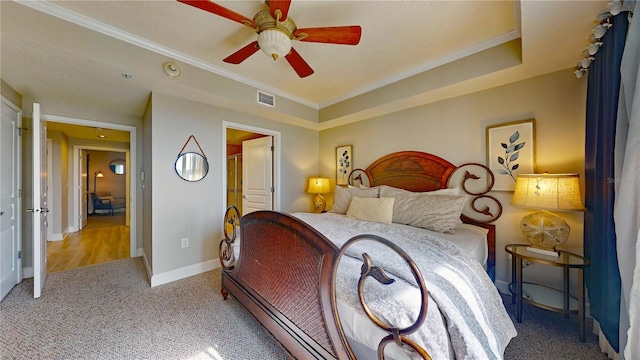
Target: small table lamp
559	192
318	186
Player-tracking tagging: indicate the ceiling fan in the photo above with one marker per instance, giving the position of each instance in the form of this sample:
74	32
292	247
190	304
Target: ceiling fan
276	30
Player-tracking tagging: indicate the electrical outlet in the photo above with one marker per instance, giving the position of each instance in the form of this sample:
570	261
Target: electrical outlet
185	242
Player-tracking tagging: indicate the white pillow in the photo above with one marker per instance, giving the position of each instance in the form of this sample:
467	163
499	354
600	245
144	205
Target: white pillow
361	186
427	210
342	197
452	191
371	209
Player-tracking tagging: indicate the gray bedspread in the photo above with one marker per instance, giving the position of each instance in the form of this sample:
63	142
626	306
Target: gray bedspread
465	310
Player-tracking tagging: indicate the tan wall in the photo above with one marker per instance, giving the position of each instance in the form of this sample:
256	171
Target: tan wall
455	130
111	182
195	209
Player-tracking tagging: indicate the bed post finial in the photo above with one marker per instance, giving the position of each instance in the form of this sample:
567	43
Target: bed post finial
230	228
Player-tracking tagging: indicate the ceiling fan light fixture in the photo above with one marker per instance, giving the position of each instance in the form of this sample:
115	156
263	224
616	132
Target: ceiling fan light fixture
274	43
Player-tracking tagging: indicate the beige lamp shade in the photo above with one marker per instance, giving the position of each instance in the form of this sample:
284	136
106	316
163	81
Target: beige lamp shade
319	185
555	192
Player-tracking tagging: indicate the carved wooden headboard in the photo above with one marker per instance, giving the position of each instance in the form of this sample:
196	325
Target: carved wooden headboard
418	171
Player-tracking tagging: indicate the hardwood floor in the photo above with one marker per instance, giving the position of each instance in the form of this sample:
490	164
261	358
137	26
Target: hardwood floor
105	238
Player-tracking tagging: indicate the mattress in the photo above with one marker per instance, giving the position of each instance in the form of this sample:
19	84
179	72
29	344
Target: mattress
472	239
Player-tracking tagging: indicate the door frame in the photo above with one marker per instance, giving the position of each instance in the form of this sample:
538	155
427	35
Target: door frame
78	208
19	215
276	159
133	180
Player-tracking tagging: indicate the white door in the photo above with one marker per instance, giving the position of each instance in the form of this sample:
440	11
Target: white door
9	199
39	206
257	174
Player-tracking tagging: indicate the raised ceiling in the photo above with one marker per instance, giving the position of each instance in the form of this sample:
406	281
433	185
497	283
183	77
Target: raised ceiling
77	52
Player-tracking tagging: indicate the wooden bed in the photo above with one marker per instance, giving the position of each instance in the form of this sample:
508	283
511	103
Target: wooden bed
296	300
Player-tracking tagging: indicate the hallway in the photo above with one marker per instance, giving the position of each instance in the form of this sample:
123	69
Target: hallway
105	238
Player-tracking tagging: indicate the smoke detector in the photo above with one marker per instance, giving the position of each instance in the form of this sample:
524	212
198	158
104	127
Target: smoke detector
171	69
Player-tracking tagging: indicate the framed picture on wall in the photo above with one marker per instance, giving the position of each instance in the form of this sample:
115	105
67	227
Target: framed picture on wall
510	151
344	164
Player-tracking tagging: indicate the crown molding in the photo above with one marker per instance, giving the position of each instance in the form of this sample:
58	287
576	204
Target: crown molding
498	40
92	24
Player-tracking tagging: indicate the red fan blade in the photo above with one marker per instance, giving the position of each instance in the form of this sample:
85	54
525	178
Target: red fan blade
298	64
282	5
346	35
214	8
242	54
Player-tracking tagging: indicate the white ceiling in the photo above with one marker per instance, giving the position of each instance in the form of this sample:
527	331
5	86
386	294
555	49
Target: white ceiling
77	51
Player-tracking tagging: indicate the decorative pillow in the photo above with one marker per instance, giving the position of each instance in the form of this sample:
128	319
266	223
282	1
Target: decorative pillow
342	197
361	186
451	191
439	213
371	209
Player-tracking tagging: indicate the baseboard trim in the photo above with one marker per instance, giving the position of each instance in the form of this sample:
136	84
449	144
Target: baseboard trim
185	272
503	287
59	236
27	272
147	266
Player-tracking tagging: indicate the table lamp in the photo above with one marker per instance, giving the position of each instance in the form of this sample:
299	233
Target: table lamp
319	186
555	192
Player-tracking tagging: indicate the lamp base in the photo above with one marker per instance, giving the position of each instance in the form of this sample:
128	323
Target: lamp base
544	230
319	203
543	251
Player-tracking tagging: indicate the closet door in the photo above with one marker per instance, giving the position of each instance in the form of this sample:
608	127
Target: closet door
257	174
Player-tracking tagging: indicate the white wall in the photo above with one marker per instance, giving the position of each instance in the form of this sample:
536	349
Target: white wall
194	209
455	130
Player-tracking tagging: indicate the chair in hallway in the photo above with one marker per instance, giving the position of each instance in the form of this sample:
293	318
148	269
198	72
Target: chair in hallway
101	204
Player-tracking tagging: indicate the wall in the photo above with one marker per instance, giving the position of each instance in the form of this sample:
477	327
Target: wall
111	182
455	130
10	94
146	186
59	194
194	209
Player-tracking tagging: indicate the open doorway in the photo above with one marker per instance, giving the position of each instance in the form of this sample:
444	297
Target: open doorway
242	184
109	236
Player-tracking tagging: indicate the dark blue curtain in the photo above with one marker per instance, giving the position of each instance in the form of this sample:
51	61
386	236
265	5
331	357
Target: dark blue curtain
602	278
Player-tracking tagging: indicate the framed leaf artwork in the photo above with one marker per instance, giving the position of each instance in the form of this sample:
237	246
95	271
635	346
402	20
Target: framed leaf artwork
510	151
344	164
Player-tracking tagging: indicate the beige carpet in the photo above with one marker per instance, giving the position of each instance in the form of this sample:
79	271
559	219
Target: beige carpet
109	311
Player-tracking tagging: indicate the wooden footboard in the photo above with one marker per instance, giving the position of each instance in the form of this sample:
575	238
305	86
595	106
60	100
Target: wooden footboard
285	278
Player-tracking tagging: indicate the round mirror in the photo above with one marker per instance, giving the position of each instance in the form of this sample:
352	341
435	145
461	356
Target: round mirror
118	166
192	166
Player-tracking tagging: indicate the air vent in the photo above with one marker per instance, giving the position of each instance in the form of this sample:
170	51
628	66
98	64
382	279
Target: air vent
266	99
